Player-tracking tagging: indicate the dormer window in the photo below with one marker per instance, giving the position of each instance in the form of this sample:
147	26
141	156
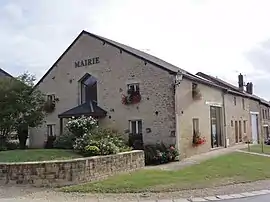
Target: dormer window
88	89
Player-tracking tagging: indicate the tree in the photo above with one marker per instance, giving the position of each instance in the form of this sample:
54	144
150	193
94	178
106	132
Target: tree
20	107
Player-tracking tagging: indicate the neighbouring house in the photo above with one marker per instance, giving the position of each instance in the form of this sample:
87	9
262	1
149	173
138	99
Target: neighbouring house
258	117
143	97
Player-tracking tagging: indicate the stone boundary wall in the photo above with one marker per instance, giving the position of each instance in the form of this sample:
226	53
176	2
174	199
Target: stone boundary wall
68	172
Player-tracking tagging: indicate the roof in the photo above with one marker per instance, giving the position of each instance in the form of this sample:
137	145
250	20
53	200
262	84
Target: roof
136	53
87	109
232	87
4	73
139	54
147	58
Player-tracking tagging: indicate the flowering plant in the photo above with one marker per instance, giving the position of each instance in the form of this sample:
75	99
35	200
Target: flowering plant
132	97
82	125
197	139
49	106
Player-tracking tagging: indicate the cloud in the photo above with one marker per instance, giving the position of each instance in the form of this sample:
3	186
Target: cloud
222	38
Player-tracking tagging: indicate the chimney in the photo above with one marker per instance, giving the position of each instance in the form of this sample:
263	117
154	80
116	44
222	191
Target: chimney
249	88
241	81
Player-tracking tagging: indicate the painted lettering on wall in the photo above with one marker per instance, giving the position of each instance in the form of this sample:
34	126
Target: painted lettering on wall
87	62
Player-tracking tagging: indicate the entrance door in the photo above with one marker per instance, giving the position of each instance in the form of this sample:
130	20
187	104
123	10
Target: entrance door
236	131
216	127
254	128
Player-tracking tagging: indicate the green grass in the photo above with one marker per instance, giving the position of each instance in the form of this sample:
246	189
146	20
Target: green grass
227	169
36	155
258	148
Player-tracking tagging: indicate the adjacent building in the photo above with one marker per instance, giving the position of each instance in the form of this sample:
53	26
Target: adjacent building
146	99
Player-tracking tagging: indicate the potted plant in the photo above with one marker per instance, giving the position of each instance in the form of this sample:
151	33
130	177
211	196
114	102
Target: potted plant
197	139
49	106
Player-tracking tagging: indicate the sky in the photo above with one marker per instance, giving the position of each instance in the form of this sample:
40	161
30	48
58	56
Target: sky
219	37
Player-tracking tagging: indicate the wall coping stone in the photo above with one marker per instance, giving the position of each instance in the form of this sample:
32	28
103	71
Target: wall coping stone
69	160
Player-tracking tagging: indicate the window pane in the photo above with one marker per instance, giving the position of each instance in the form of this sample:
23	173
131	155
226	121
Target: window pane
140	127
195	125
133	127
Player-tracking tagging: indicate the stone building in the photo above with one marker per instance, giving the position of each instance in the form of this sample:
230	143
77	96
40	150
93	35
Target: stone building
143	96
4	73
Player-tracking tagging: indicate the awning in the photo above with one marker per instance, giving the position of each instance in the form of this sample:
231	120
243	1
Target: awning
86	109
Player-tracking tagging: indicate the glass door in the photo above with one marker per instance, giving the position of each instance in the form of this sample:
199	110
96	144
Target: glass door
216	129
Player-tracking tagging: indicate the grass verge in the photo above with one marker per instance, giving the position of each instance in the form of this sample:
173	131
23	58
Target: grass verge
227	169
36	155
258	149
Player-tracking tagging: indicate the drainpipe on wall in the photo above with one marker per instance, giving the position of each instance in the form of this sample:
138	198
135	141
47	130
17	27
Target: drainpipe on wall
178	79
224	118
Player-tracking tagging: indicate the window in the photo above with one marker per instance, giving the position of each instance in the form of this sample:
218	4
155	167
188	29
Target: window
234	100
243	103
231	123
245	126
195	122
135	127
88	89
134	87
194	86
50	98
51	130
263	114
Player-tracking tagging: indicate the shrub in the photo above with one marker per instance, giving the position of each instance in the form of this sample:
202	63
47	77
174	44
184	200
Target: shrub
159	154
12	145
106	140
92	151
65	141
49	143
82	125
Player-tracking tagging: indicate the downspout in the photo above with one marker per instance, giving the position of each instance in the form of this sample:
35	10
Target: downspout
224	118
178	79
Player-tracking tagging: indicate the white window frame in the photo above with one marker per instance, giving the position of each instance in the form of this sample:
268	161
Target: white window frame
136	86
136	124
53	130
51	97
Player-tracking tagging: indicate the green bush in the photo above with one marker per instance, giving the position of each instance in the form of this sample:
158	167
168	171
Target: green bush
12	145
65	141
106	140
159	154
92	151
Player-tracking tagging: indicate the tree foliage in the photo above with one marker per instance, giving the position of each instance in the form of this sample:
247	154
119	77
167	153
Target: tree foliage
20	105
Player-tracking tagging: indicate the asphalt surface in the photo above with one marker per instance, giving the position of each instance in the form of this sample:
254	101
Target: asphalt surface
263	198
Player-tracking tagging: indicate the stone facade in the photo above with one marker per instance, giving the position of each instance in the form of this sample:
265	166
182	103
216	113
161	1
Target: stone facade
166	110
114	72
188	109
69	172
237	118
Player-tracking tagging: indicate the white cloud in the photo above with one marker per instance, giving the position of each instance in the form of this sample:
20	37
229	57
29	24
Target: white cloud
219	37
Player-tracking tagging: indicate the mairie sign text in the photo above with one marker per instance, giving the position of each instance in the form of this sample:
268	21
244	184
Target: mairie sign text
87	62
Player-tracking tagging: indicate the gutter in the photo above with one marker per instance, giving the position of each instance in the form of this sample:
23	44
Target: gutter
177	82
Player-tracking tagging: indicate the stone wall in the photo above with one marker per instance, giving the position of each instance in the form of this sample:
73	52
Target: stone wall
69	172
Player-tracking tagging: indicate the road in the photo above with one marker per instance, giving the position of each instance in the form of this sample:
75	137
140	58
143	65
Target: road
263	198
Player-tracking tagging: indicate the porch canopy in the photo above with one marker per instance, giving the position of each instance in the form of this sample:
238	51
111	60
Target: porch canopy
85	109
